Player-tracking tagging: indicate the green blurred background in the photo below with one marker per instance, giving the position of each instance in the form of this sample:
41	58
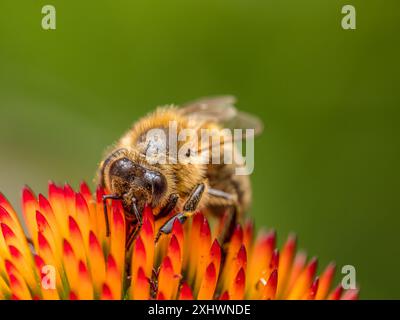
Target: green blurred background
327	166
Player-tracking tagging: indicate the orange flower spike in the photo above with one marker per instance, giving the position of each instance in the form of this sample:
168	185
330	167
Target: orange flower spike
23	266
17	284
87	195
113	278
351	294
325	281
233	248
73	296
9	238
91	205
299	263
148	213
177	230
174	252
29	207
10	267
46	209
239	262
260	257
70	265
336	293
106	293
248	232
286	259
224	296
6	233
312	292
140	287
8	207
165	278
241	258
57	202
191	254
236	241
274	263
237	287
76	240
268	292
266	274
4	253
185	292
203	251
82	215
208	283
97	262
100	226
304	281
45	251
85	288
160	296
215	256
139	257
19	287
47	292
4	289
45	229
47	212
7	218
69	197
147	235
117	246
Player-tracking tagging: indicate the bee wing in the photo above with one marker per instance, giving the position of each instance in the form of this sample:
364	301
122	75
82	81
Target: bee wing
214	109
244	120
221	110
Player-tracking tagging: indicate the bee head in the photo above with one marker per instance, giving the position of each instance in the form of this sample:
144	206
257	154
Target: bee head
135	183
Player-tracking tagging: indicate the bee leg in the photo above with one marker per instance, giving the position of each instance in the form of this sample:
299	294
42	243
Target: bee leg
134	231
169	206
138	215
221	194
189	208
167	226
231	203
229	227
30	242
105	198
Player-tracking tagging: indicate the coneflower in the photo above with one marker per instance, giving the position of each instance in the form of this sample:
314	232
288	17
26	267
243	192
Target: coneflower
69	256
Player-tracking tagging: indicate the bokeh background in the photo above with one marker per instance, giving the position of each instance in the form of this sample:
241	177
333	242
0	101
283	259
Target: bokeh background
327	166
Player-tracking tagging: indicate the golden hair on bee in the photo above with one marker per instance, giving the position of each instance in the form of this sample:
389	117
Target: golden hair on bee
159	162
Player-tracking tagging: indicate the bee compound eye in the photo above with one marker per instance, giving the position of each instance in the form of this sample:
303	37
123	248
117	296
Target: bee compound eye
158	184
123	168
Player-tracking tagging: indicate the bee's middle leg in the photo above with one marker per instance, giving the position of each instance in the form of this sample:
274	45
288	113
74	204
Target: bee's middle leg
189	208
229	201
168	207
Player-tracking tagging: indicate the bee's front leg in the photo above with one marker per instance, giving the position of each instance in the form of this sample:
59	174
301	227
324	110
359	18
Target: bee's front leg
139	222
105	198
189	208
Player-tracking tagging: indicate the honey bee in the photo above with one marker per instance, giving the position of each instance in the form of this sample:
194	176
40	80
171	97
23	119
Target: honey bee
131	172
